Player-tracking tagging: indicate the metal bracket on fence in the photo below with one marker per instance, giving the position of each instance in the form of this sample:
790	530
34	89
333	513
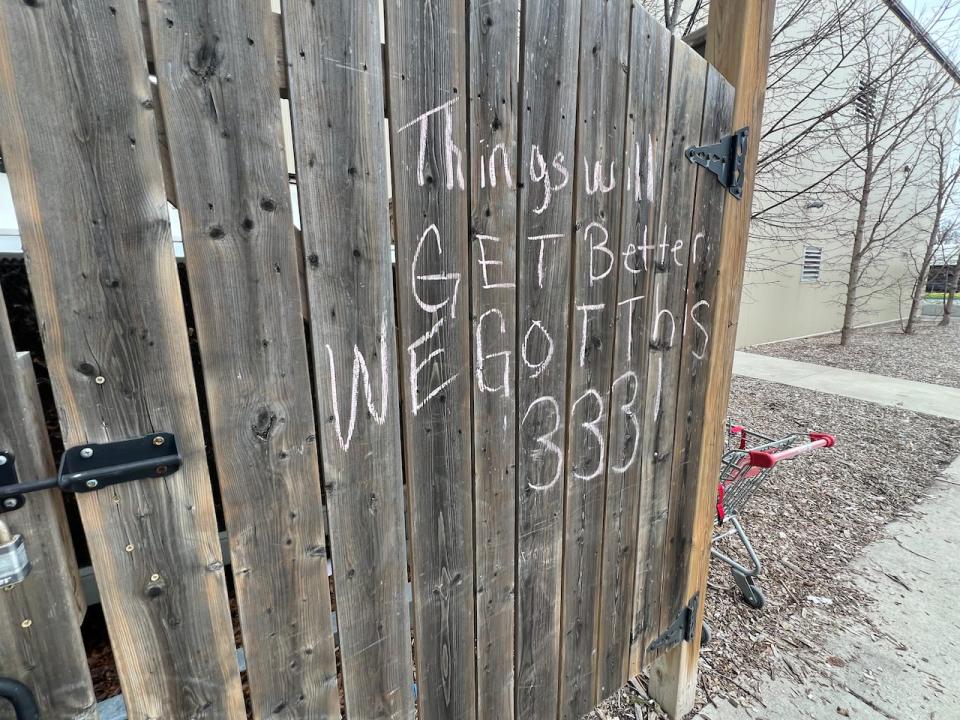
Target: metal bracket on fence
682	627
724	159
91	467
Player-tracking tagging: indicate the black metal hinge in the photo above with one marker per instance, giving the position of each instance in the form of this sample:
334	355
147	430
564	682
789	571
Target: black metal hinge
682	627
724	159
95	466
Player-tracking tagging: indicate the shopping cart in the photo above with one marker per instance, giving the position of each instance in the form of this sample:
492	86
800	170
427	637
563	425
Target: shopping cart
748	458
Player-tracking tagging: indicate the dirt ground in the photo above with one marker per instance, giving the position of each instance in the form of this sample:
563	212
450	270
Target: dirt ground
929	355
815	514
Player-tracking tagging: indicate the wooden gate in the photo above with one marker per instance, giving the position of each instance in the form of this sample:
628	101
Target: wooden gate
482	411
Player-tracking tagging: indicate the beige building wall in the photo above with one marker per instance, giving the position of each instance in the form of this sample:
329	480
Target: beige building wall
776	304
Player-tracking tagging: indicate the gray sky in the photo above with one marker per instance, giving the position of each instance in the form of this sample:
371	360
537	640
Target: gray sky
946	29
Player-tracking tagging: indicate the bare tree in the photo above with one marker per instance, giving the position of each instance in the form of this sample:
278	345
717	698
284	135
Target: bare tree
803	178
941	141
845	98
679	16
893	101
817	47
954	278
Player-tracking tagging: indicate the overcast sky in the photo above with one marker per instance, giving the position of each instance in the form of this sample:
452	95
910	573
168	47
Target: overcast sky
945	29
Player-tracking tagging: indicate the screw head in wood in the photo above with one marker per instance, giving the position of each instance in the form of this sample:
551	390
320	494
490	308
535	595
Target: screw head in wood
26	623
158	440
154	577
86	452
10	503
92	483
99	379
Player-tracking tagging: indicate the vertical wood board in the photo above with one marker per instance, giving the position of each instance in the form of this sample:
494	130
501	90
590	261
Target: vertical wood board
701	289
599	170
39	617
88	189
427	53
336	93
494	37
548	77
687	536
666	308
219	99
682	540
643	158
738	43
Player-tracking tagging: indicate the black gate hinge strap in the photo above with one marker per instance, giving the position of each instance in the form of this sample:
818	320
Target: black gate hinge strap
724	159
681	629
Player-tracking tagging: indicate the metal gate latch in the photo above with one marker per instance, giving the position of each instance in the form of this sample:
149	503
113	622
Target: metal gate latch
724	159
91	467
682	627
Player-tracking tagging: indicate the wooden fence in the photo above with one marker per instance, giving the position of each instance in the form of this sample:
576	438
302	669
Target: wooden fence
490	399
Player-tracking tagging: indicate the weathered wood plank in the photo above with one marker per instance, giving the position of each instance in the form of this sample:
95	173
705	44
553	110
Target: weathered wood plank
336	92
427	51
599	171
271	31
218	93
545	234
738	44
643	160
39	620
701	289
85	173
668	249
494	36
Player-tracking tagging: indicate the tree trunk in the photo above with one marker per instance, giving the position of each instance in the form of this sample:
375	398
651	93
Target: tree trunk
853	274
920	288
951	296
850	301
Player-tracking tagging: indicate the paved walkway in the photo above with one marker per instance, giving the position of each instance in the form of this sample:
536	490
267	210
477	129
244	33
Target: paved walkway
906	394
904	662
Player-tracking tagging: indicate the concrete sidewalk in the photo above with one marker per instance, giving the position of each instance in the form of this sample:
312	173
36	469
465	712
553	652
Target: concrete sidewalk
903	661
907	394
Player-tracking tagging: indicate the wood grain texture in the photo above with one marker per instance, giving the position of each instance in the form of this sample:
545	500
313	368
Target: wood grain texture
544	238
336	92
681	541
85	173
494	36
219	98
643	160
271	30
738	45
427	51
599	171
47	600
666	307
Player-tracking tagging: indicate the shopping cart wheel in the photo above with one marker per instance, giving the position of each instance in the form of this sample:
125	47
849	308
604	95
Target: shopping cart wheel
706	635
754	598
751	594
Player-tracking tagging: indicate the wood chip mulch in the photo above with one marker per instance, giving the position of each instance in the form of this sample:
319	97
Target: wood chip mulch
929	355
814	515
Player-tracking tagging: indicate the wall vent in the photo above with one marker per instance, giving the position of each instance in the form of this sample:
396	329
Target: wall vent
812	257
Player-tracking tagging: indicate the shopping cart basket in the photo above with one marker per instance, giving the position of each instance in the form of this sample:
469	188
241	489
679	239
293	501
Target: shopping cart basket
748	458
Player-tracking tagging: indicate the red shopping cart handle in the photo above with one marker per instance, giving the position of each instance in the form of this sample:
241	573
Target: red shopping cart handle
762	459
